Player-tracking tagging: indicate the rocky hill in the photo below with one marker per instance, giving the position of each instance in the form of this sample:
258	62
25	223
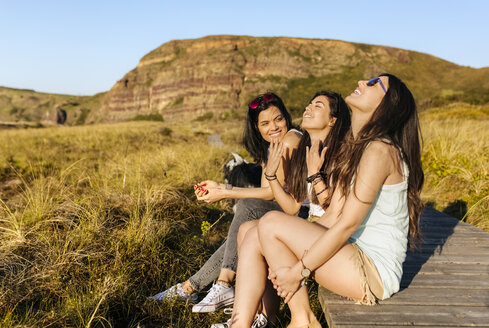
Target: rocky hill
221	74
18	105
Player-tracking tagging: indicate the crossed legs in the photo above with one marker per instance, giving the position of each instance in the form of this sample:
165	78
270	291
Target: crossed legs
278	241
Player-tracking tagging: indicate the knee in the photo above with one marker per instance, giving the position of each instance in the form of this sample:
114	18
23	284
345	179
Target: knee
268	223
243	229
250	239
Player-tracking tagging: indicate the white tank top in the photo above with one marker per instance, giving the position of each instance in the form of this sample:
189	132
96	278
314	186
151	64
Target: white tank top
314	209
383	233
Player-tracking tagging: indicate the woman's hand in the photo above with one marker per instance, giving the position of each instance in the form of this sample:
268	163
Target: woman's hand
209	191
286	281
314	160
275	152
210	195
207	184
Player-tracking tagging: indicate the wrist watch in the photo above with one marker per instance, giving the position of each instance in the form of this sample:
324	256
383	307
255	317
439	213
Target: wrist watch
305	273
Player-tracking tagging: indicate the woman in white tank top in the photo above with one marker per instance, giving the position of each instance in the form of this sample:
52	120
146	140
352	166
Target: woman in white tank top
357	247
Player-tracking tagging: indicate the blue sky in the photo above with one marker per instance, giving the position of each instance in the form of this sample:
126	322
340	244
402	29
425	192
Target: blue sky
84	47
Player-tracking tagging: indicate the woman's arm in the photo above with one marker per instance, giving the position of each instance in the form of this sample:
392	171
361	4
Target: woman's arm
214	191
280	154
211	191
376	165
314	162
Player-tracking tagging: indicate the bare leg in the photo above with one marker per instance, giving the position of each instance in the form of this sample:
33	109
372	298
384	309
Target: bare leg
250	280
270	301
300	309
284	238
226	276
187	287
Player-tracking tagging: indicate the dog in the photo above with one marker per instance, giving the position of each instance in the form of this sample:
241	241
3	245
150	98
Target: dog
240	173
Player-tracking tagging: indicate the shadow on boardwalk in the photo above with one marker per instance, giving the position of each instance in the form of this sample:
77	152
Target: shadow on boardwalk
436	228
446	284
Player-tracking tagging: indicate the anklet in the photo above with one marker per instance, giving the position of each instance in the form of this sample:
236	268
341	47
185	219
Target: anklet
223	282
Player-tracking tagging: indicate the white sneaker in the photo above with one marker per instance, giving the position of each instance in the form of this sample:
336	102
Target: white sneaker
260	321
218	297
175	293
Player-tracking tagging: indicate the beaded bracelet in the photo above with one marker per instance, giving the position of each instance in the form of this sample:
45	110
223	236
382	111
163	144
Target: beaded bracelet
319	193
229	186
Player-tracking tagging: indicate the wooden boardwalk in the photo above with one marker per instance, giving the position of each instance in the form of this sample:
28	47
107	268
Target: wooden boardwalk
446	284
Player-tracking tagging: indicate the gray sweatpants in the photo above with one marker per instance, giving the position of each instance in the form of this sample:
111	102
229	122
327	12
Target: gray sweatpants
226	256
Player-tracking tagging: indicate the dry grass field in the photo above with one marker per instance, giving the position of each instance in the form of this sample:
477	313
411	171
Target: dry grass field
456	161
93	219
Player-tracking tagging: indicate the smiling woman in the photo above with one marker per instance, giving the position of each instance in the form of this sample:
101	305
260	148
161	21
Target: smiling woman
272	124
267	121
357	247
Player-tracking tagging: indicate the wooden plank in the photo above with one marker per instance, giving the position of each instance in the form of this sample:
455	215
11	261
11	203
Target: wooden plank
447	233
424	296
408	315
444	236
442	280
480	251
446	225
446	284
446	268
460	258
466	242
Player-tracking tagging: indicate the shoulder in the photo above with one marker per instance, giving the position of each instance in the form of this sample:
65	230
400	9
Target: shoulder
377	148
378	156
292	139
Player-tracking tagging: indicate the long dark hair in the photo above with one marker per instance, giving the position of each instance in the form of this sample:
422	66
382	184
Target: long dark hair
395	120
252	140
297	183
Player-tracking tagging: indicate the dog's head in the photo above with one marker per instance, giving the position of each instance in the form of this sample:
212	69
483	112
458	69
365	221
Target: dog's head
240	173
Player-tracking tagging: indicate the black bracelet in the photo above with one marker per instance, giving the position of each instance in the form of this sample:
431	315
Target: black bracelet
317	180
316	175
270	177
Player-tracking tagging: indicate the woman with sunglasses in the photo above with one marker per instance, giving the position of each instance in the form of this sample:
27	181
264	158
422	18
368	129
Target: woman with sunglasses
356	249
267	120
325	122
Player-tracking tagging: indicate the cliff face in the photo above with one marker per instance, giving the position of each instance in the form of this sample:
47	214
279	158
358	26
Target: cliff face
220	74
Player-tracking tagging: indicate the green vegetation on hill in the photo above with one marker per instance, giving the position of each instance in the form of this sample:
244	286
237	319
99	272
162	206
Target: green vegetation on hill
218	73
30	106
